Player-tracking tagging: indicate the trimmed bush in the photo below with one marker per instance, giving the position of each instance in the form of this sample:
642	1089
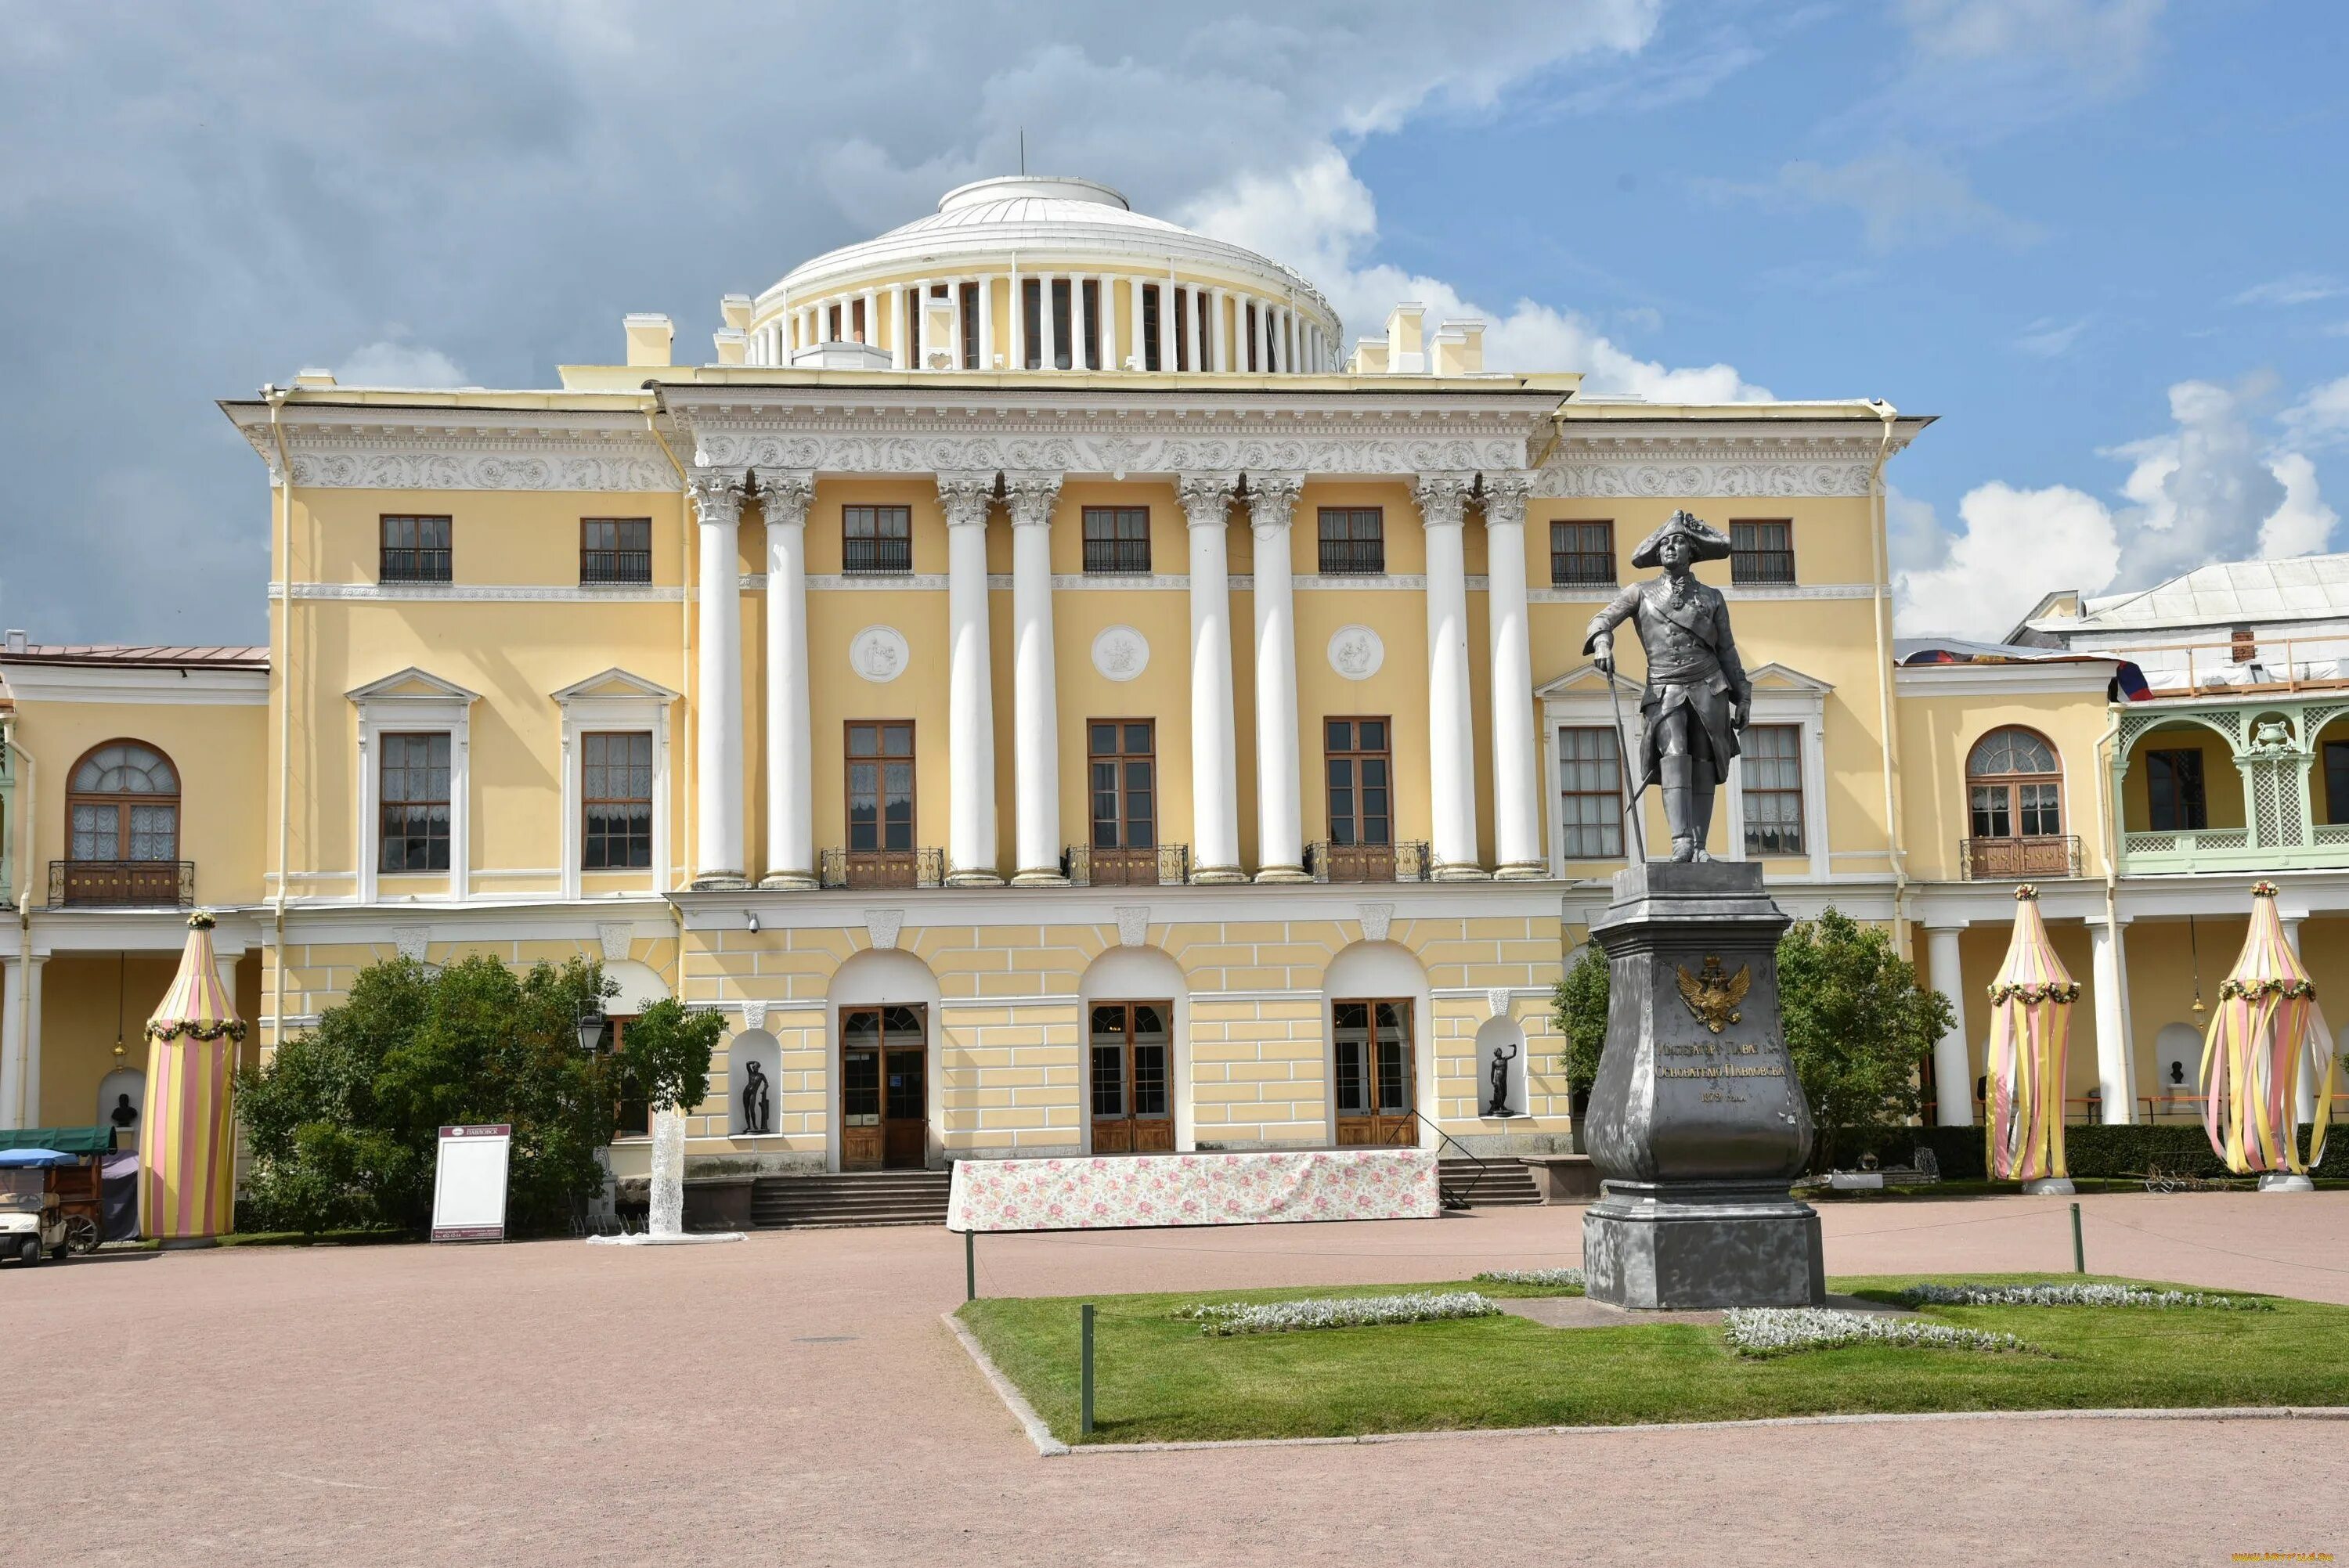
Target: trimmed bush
2090	1150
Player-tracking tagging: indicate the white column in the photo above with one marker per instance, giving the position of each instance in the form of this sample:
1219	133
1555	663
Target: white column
1014	357
1279	830
1035	705
1215	789
1516	758
718	860
2108	982
1216	329
1953	1074
987	323
1451	734
922	343
970	686
899	356
1109	357
1080	321
791	748
1166	322
1047	324
16	1021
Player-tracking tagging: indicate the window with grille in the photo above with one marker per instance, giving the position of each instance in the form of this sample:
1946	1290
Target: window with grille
1761	551
1582	553
880	785
1359	771
616	549
415	550
2173	788
877	539
1771	774
1590	787
1353	541
413	798
1117	538
615	789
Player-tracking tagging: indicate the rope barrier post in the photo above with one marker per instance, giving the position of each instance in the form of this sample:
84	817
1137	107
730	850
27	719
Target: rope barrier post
1085	1374
2079	1254
970	1265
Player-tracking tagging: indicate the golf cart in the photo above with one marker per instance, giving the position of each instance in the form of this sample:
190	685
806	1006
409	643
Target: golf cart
34	1215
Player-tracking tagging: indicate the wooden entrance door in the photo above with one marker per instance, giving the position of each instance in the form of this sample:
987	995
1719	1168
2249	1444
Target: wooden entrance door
885	1118
1373	1061
1132	1052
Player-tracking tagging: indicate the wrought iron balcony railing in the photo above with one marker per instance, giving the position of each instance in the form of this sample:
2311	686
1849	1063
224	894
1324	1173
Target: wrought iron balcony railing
861	557
123	885
846	868
615	566
1333	862
1087	865
2000	859
1117	555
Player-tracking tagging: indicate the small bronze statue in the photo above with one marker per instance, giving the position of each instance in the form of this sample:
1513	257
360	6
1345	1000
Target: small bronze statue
757	1108
1502	1057
1697	697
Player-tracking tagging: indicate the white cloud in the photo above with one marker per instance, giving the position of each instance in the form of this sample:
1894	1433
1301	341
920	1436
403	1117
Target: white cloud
2107	41
2320	418
2302	525
2297	288
1979	70
2067	536
388	364
1904	197
2048	338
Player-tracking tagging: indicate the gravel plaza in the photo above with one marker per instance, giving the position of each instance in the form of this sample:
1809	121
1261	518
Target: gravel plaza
797	1399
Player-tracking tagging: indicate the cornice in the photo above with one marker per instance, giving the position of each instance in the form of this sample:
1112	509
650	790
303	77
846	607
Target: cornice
373	448
1798	459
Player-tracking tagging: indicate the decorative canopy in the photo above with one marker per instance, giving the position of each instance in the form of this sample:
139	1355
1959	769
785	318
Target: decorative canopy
2031	1026
197	1007
2266	1020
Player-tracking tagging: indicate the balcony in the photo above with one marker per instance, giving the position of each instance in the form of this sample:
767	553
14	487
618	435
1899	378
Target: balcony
877	557
2013	860
1332	862
601	566
123	885
866	869
1168	865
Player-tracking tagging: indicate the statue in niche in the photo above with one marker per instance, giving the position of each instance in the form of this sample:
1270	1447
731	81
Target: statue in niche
758	1108
1499	1104
125	1115
1697	697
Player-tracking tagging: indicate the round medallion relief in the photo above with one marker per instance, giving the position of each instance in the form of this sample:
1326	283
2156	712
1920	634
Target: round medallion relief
1121	652
1356	653
878	653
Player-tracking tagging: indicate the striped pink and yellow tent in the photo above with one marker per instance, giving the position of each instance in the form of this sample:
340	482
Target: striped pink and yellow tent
2029	1026
187	1140
2266	1019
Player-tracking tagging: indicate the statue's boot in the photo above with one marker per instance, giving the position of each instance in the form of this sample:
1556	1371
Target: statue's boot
1701	816
1675	777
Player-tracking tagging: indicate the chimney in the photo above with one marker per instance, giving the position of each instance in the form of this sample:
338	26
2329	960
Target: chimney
733	345
310	376
1369	357
1460	348
736	309
649	338
1406	339
16	641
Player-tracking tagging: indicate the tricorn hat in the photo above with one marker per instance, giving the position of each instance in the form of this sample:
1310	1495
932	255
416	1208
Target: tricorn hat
1711	543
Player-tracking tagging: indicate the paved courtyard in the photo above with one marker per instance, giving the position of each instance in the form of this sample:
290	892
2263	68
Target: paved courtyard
795	1399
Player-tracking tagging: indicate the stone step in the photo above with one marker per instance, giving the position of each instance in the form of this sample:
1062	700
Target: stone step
841	1198
1503	1183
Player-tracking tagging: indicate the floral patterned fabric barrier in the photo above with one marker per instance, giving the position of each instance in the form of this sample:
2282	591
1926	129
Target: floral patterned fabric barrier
1139	1191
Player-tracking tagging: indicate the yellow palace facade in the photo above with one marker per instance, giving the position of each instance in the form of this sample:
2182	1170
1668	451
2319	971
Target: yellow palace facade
1052	696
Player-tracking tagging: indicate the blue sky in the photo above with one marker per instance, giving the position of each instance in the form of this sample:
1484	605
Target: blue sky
2102	239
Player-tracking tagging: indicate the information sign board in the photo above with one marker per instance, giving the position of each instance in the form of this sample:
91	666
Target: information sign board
469	1190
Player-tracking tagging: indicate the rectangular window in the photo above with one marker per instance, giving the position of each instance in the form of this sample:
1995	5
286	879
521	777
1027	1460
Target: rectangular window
2173	788
615	791
2038	808
1359	772
1122	761
415	550
1353	541
1182	333
877	539
1771	770
1117	538
1149	307
1582	553
413	800
1761	551
1248	320
880	787
1591	787
616	549
1064	330
2336	780
972	299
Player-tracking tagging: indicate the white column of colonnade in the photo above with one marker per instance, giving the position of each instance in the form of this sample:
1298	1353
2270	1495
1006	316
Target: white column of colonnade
2108	990
1954	1083
1107	284
1214	790
987	322
1516	764
1279	830
970	712
717	860
1165	288
784	495
1216	298
1451	734
20	1043
900	349
1035	706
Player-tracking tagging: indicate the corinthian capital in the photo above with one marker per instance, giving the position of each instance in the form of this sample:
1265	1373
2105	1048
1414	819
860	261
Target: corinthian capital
965	496
1206	498
1031	498
1443	498
785	493
718	496
1272	502
1505	497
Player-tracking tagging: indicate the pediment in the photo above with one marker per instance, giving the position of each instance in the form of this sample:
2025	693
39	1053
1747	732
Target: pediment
413	684
615	682
1585	680
1781	677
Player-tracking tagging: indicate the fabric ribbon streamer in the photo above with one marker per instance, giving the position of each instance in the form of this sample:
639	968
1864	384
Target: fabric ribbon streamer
2266	1019
2031	1024
187	1147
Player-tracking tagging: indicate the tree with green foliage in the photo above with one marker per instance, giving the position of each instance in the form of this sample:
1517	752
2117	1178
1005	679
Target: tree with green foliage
343	1122
1857	1026
666	1054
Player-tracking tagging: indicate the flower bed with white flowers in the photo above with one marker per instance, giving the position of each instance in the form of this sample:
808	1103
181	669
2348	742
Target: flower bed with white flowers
1337	1312
1568	1279
1936	1294
1783	1330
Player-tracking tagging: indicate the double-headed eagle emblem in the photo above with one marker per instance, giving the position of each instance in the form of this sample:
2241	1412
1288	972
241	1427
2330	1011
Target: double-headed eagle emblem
1714	996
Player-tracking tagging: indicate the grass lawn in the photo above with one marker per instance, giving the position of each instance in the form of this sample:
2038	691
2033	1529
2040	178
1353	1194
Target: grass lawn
1157	1378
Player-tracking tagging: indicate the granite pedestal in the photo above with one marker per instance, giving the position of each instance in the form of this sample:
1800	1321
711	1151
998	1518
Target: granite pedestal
1698	1125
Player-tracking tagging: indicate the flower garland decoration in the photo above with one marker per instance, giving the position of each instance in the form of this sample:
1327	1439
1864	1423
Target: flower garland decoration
2031	1027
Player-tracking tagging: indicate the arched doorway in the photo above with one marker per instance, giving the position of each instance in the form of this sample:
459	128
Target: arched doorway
1135	1007
883	1006
2014	801
122	841
1382	1061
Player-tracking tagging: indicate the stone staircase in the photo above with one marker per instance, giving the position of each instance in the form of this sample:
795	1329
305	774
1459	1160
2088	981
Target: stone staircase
851	1198
1503	1181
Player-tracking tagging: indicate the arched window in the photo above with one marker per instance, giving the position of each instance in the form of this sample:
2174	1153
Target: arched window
124	803
2014	787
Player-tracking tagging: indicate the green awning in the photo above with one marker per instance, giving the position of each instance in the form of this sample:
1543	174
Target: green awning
64	1139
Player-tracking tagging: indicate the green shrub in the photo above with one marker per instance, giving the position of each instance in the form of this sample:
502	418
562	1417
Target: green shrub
2090	1150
